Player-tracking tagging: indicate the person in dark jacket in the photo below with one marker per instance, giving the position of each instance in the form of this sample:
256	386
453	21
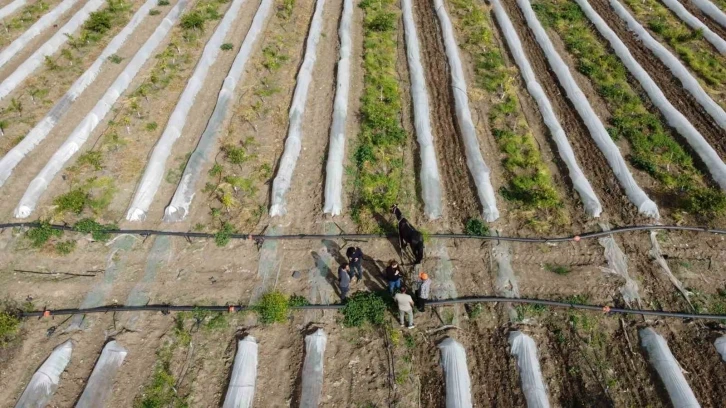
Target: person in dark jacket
393	276
355	258
344	281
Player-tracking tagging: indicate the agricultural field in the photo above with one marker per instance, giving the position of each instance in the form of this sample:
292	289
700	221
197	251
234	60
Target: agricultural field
207	163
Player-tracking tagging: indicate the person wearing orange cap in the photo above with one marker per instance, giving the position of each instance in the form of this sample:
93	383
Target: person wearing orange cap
424	290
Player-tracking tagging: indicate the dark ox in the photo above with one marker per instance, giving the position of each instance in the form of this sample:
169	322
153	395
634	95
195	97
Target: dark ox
409	235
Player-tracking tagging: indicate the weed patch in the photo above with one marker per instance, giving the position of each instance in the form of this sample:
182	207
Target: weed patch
273	308
364	307
42	233
9	323
558	269
99	232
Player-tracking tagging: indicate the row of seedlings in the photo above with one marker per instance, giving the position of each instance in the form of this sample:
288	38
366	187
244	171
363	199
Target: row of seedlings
92	183
653	148
688	43
156	164
15	25
529	190
696	24
41	93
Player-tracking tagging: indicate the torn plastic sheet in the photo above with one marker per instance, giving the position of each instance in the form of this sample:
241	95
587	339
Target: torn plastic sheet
82	132
589	199
336	149
156	164
675	119
477	167
429	174
293	143
43	128
49	48
711	10
11	8
41	25
44	383
668	369
656	254
241	390
100	384
268	266
678	70
696	24
184	194
618	264
597	130
533	387
720	345
506	283
159	256
456	374
312	372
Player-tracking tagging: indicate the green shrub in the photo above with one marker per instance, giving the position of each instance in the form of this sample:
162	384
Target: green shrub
558	269
115	58
151	126
41	233
65	247
92	158
99	232
475	226
297	300
474	310
193	20
161	392
154	12
364	307
272	308
73	201
98	22
222	237
284	9
162	3
226	46
9	324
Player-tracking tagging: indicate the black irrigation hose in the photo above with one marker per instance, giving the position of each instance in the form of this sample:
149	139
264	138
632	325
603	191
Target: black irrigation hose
586	235
479	299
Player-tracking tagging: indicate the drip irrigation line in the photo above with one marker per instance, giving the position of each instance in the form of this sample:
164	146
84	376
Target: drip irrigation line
478	299
253	237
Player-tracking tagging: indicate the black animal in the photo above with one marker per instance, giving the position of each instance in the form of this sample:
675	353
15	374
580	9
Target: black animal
409	235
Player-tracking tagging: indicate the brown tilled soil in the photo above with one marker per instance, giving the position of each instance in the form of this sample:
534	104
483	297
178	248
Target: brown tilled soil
460	197
671	86
616	206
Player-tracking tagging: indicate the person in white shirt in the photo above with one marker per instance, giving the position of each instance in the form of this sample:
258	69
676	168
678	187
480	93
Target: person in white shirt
405	305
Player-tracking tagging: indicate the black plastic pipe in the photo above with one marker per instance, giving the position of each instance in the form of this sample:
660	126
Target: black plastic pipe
587	235
480	299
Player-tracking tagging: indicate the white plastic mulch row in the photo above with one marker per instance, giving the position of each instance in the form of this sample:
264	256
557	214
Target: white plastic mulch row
456	374
184	194
241	390
610	150
675	119
674	65
477	167
100	384
617	263
81	133
429	175
668	369
588	197
696	24
44	383
11	8
720	345
156	163
293	143
533	386
312	372
43	23
711	10
336	150
49	48
43	128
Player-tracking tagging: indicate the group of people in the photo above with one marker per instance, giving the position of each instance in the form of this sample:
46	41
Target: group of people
394	275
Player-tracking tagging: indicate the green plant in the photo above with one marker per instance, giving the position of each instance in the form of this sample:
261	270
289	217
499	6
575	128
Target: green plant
193	20
409	341
154	12
65	247
98	22
475	226
41	233
115	58
284	9
92	158
9	323
161	392
364	307
474	310
529	310
15	106
272	308
273	57
50	63
73	201
222	237
99	232
297	301
226	46
151	126
3	126
558	269
162	3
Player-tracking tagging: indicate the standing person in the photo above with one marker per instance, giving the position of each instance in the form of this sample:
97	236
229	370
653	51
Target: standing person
405	305
344	281
355	258
393	276
424	290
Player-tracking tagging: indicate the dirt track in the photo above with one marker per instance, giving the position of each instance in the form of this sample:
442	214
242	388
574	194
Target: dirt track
671	86
616	206
459	190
